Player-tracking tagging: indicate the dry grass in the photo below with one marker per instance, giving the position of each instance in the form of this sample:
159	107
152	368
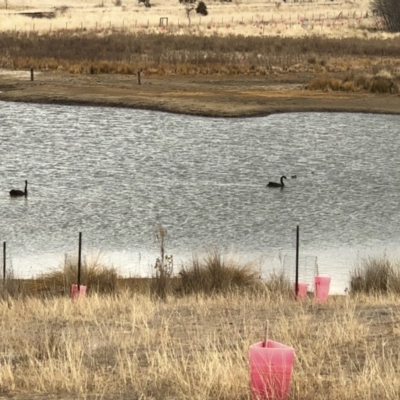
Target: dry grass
98	277
192	55
244	17
349	65
129	346
373	84
376	275
216	275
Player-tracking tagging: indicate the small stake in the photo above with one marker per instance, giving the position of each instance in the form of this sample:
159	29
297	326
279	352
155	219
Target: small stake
4	263
297	261
266	333
79	261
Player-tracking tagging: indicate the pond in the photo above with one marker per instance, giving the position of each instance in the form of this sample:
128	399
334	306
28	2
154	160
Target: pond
114	174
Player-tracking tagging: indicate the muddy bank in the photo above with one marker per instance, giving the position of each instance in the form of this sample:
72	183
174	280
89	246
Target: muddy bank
212	96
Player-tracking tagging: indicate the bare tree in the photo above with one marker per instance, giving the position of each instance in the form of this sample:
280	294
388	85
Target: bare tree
389	13
199	6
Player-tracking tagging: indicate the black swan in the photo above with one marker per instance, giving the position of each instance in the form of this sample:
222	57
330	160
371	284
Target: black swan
274	184
17	193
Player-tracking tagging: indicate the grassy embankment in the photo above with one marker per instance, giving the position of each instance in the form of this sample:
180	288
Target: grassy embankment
327	64
193	342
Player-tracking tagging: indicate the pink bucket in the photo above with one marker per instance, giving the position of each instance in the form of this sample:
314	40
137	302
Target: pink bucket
270	370
74	291
321	288
302	293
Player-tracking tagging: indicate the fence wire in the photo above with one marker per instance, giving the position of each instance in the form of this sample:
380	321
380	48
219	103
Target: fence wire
308	269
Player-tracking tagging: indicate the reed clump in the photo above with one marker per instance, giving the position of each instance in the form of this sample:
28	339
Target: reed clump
376	276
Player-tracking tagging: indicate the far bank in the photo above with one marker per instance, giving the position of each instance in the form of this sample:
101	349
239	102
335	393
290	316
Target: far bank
210	96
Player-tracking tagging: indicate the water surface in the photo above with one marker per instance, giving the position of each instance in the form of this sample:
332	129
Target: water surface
115	173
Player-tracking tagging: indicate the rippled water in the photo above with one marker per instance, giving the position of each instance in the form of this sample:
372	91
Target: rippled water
115	173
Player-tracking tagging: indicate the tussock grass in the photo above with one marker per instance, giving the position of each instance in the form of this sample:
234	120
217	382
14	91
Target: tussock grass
376	276
216	275
210	276
98	277
129	346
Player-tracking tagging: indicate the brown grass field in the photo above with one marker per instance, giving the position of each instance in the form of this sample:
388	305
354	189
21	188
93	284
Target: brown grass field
128	346
188	337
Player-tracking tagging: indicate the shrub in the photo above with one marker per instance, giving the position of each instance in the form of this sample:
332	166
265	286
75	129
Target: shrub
380	85
161	283
348	86
363	82
312	60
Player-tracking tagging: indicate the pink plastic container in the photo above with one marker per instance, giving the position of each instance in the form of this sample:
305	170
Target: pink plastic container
302	293
321	288
74	291
270	370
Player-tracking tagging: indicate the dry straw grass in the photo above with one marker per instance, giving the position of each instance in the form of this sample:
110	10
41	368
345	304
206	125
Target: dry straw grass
130	346
96	275
347	65
120	53
374	84
216	275
376	276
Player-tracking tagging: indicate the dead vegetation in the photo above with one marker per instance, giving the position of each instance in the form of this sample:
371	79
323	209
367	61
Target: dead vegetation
337	65
194	342
130	346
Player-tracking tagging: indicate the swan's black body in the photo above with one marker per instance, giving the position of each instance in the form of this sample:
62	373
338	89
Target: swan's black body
18	193
275	184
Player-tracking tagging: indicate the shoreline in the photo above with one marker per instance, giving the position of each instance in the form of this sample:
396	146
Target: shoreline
194	113
204	96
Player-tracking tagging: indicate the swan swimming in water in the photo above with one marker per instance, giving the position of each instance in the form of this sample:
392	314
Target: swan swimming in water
17	193
275	184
